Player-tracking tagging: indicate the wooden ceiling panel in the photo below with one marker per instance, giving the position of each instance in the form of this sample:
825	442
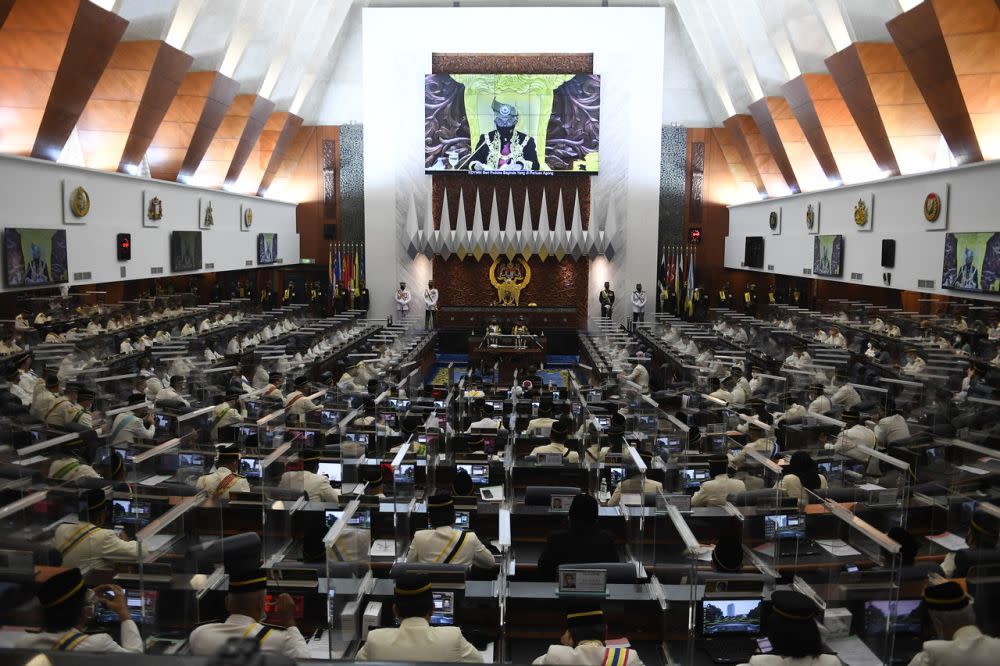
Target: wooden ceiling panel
922	46
282	146
734	129
219	155
5	7
761	112
259	114
221	91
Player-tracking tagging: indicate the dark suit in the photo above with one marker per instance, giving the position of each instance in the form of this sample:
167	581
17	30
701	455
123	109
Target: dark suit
576	546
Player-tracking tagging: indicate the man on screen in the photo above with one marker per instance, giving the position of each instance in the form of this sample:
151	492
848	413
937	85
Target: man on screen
968	275
38	269
505	149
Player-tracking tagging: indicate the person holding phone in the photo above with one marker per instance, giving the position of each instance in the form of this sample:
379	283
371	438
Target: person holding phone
68	607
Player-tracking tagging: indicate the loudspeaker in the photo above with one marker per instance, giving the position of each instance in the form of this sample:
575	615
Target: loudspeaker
888	253
329	232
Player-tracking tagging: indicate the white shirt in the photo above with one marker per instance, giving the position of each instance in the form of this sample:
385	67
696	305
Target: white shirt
915	367
586	653
776	660
233	346
208	639
316	485
434	545
715	491
640	376
21	394
848	441
416	640
95	547
846	397
797	361
210	483
260	377
630	486
431	299
968	647
169	393
638	301
125	347
204	326
131	640
225	415
820	405
298	403
892	429
127	427
188	329
553	447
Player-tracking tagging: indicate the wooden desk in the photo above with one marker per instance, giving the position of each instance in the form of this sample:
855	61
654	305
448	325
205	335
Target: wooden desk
509	357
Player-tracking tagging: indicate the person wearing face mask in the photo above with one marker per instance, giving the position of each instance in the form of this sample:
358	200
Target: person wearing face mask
89	543
854	435
403	298
959	642
430	305
67	609
273	389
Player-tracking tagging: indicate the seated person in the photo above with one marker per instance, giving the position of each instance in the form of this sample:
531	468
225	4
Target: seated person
224	479
909	546
229	412
819	403
135	425
245	605
914	364
443	543
727	556
854	434
72	463
583	641
638	375
582	543
795	639
983	535
67	608
892	428
630	486
89	544
314	485
846	397
172	394
714	491
718	392
483	413
537	426
800	475
415	640
298	403
557	444
273	388
959	642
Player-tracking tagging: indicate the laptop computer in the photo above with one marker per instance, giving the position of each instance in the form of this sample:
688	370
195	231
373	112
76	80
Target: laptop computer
788	532
694	477
480	473
332	470
250	468
903	618
444	609
728	629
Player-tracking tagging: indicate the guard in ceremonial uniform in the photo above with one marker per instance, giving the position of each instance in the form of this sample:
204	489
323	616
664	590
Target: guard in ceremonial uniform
67	609
583	642
638	304
297	403
137	424
521	331
224	479
228	413
403	298
89	544
73	464
245	604
308	480
443	544
431	305
607	299
415	640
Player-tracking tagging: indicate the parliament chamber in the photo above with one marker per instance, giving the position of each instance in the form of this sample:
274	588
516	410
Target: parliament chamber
673	339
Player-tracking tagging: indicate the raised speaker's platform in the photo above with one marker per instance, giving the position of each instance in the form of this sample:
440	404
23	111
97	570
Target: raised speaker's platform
475	318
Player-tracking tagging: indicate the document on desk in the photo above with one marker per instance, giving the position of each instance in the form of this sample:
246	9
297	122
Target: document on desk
383	548
870	486
948	541
156	542
319	647
852	650
973	470
838	547
154	480
703	553
766	548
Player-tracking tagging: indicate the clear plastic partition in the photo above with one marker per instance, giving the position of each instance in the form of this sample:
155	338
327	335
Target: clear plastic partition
676	558
348	575
286	486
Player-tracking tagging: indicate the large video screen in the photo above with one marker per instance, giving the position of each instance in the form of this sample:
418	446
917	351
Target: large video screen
512	123
35	256
267	248
185	251
972	261
753	252
828	255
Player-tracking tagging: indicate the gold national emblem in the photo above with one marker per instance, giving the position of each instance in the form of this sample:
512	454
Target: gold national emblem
79	202
932	207
509	277
772	220
248	217
861	213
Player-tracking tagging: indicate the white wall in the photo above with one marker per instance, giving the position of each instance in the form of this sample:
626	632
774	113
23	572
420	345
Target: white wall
898	214
32	192
627	44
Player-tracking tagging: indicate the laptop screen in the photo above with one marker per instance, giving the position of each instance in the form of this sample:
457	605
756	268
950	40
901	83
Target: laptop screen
784	526
480	473
141	607
462	520
250	467
603	422
332	517
332	470
616	476
669	444
191	460
899	617
444	609
730	617
327	416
